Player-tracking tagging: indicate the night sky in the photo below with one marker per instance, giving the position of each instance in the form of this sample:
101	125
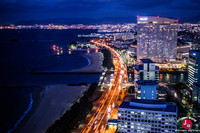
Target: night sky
12	11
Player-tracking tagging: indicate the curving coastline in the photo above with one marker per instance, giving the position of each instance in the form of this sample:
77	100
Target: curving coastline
56	99
24	115
95	65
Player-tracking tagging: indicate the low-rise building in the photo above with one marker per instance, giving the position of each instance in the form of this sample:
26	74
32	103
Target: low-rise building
146	70
147	89
147	116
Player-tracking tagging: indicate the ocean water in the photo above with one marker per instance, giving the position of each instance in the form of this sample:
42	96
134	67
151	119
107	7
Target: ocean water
21	51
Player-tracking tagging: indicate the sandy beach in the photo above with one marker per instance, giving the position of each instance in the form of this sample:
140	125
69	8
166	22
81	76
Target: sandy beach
55	101
95	65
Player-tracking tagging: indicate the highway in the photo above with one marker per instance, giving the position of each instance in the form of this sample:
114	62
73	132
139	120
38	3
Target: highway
97	123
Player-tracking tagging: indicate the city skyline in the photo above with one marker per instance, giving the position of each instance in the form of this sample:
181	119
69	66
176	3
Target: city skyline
106	66
97	11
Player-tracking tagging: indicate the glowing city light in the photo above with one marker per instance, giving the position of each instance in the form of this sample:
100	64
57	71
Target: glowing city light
143	18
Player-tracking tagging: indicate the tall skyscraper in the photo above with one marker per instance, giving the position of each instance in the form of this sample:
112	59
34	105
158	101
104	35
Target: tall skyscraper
147	116
156	38
196	94
194	68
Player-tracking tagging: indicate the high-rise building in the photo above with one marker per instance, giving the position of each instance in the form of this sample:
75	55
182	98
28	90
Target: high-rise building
147	89
146	70
193	68
156	38
196	94
147	116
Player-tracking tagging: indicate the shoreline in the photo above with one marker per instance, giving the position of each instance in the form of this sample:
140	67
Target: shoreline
89	62
94	65
82	106
51	105
36	100
96	62
24	115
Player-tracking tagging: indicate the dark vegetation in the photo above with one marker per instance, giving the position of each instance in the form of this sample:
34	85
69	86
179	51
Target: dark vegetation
107	62
180	86
73	117
74	43
181	110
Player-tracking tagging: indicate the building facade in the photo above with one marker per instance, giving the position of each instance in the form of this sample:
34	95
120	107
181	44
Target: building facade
147	89
156	38
146	70
147	116
193	67
196	94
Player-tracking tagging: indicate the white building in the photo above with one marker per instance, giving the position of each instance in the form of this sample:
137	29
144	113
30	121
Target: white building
147	89
156	38
146	70
147	116
124	36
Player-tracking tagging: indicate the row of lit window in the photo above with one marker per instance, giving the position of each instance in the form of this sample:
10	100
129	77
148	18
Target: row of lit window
146	128
122	130
122	121
146	113
164	125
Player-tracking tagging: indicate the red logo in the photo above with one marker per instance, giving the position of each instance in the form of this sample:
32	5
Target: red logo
187	124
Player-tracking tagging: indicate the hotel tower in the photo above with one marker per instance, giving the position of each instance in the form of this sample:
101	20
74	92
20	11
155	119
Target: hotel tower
156	38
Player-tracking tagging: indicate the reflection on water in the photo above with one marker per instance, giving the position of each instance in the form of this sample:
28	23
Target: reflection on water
173	78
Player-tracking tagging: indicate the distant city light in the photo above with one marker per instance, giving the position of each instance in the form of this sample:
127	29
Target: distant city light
143	18
194	54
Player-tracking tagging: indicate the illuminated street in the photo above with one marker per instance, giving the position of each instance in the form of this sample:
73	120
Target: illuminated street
99	121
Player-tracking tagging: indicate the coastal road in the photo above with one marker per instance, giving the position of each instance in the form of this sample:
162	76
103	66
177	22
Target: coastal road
99	120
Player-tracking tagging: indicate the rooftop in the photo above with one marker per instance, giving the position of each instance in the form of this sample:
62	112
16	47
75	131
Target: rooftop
141	67
146	82
146	61
112	120
159	20
147	101
152	105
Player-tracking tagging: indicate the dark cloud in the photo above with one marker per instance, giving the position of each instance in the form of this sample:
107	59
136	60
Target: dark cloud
143	4
14	10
